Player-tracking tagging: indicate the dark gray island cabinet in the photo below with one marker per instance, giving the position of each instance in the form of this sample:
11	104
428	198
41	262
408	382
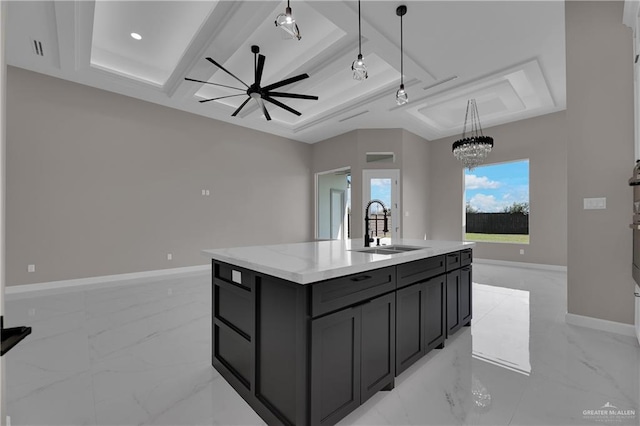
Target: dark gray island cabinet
311	353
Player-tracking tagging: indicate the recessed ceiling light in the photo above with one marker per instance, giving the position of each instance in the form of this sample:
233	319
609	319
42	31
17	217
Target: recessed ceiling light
136	36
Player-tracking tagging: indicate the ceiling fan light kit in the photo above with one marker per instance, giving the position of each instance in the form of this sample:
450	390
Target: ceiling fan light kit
401	95
358	67
256	91
287	23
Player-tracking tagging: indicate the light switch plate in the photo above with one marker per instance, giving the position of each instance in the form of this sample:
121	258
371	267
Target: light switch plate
595	203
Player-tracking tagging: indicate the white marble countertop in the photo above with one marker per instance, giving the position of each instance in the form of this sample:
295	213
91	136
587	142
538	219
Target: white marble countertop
305	263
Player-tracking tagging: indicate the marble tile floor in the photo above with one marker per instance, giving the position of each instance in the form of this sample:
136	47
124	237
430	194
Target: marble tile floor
140	354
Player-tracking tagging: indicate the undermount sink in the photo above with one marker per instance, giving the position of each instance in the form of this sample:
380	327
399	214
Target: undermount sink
403	248
393	249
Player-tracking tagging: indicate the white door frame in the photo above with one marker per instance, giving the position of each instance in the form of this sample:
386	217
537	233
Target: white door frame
342	234
3	150
367	175
316	220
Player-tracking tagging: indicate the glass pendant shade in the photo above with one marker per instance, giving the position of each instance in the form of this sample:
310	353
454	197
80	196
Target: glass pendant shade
401	96
287	23
474	148
359	69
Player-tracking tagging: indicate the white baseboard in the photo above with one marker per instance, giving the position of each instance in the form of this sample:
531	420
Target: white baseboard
556	268
53	287
600	324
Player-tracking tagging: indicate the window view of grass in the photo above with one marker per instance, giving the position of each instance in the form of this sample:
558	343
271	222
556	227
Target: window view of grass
497	238
497	203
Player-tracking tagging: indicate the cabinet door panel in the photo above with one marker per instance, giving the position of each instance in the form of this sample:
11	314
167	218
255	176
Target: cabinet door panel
335	366
378	345
453	297
409	326
465	295
434	312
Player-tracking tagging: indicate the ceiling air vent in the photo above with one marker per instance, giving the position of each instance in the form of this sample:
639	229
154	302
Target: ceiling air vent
36	45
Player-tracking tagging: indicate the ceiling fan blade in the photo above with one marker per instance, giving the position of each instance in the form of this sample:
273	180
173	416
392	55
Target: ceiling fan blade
292	95
281	105
215	84
264	108
240	107
221	97
225	70
286	81
259	69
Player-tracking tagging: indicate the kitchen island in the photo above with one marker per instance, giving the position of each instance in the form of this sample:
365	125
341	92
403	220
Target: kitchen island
307	332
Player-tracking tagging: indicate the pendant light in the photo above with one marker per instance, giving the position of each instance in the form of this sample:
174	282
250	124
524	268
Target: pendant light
288	24
473	149
358	67
401	95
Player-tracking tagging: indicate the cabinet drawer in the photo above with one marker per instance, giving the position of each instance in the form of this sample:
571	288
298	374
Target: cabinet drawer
466	257
420	270
331	295
453	261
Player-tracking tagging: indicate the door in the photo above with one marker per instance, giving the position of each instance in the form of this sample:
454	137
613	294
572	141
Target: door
378	345
465	295
453	302
410	323
338	209
383	185
335	366
434	323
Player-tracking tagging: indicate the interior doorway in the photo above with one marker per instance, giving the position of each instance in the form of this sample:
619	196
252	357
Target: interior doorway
333	204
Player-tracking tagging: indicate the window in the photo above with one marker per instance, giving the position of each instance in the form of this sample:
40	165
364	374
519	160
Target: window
496	200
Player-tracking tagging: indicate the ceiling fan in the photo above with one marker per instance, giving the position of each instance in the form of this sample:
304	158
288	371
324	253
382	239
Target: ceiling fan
255	91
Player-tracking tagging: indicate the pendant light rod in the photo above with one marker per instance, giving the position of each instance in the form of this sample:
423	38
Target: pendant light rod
359	30
401	11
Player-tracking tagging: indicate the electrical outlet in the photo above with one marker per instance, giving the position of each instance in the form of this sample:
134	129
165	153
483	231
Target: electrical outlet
594	203
521	251
169	256
31	268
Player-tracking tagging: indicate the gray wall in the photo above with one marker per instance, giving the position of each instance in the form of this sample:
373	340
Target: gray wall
100	184
543	141
600	159
416	198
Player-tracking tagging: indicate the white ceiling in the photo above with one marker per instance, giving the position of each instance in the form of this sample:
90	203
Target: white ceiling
508	55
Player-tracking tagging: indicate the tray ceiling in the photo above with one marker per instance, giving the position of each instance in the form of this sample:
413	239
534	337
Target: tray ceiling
510	56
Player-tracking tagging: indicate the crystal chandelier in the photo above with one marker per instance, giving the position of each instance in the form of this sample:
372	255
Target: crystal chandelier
473	149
